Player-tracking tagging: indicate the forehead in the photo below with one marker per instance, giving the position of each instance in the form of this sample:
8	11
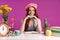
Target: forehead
31	8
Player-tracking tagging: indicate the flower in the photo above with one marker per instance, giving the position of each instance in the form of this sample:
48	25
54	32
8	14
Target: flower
12	19
1	11
5	7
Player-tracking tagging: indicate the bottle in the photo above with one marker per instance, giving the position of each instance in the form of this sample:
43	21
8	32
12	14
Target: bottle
46	26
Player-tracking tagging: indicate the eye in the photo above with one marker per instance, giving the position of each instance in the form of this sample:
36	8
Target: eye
31	10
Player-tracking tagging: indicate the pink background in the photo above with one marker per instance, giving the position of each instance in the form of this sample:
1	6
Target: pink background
49	9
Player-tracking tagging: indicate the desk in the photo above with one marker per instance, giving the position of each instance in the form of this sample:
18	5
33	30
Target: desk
30	37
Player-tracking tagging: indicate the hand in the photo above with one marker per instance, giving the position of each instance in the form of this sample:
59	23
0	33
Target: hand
35	17
27	17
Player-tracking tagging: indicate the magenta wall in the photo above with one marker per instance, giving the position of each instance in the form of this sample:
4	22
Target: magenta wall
49	9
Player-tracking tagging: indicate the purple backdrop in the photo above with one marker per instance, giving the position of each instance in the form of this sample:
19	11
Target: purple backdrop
49	9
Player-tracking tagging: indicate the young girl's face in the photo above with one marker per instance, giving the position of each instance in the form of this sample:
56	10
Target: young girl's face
31	11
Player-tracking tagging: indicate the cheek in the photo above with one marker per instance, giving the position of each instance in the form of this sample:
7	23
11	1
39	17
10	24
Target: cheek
29	12
33	12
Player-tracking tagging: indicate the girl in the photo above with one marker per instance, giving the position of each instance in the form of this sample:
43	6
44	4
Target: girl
31	21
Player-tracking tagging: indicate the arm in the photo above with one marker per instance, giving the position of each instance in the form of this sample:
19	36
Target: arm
23	24
39	28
